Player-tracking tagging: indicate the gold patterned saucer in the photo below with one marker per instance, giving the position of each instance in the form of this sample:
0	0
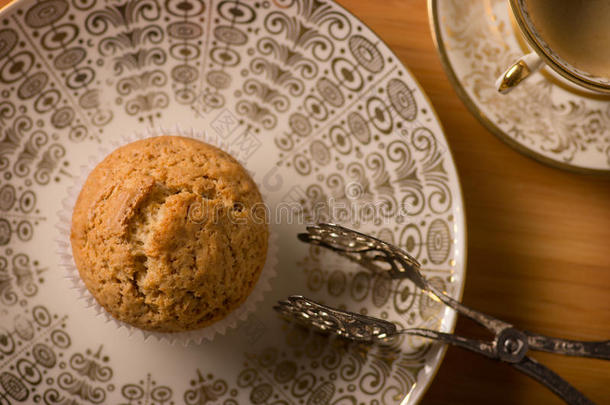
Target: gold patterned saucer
544	118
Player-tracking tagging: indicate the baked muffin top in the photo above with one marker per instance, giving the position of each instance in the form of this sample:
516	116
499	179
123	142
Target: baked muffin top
169	234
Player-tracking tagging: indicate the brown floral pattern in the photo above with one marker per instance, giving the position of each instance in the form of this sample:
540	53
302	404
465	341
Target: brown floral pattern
305	96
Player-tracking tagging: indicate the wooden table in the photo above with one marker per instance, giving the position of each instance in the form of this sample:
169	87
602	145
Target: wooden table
538	237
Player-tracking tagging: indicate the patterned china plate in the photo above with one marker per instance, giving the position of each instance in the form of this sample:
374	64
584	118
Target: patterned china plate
545	117
330	123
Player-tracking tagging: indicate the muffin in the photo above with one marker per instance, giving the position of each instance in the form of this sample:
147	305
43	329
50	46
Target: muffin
169	234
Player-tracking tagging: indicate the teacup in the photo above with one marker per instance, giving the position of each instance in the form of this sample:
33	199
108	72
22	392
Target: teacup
571	37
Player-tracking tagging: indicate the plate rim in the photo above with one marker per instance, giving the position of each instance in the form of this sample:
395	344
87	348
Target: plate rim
463	246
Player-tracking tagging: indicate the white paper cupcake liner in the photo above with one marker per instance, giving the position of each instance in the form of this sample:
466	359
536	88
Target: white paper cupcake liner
208	333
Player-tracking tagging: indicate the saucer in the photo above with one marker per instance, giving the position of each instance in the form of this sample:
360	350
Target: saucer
544	117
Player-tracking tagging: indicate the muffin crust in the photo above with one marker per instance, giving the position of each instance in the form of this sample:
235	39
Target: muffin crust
169	234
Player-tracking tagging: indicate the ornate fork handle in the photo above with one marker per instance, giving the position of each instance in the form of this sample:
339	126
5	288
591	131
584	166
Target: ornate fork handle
509	345
552	381
368	251
366	329
478	346
363	328
383	258
598	350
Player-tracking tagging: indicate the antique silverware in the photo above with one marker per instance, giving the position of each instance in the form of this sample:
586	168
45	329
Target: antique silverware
509	344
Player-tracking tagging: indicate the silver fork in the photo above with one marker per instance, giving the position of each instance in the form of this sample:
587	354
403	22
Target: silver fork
509	344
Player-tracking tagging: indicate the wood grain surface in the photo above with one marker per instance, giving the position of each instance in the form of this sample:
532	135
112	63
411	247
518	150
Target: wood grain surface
538	237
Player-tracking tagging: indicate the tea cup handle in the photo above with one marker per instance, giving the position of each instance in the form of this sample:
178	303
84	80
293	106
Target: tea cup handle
518	71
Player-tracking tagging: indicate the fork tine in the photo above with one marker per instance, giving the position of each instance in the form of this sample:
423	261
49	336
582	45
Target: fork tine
314	228
327	225
334	237
306	237
350	325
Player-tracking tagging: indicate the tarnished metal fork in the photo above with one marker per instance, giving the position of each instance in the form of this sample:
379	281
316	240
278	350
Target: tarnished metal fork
509	344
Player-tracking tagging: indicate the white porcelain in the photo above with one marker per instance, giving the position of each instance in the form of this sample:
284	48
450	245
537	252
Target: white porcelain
328	121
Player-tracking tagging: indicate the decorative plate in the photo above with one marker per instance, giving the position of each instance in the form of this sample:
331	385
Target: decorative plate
545	117
330	123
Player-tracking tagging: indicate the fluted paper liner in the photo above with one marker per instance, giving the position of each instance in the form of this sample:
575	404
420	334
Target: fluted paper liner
208	333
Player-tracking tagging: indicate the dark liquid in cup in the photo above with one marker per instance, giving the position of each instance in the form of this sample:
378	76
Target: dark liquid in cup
576	30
